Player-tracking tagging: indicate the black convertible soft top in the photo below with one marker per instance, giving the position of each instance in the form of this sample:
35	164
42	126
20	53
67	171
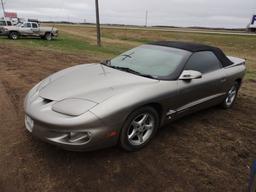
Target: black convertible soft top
194	47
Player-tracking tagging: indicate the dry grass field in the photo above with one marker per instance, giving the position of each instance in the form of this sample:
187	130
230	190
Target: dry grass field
211	150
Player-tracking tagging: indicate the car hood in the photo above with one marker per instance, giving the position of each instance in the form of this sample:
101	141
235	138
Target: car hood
93	82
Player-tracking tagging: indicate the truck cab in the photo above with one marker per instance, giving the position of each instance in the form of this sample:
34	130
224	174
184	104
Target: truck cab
5	23
30	28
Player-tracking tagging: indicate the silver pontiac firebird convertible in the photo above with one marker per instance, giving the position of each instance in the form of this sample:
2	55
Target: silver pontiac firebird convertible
125	100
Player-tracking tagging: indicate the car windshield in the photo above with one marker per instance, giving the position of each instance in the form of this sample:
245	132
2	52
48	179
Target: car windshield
151	60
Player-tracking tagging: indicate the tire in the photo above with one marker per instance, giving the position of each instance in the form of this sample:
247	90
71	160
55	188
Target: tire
48	36
14	35
139	129
231	96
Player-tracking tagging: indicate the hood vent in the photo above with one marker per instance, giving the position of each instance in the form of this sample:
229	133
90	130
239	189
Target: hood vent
47	101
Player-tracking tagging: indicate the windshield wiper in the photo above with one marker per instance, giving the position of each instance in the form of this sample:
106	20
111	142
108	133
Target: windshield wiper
126	69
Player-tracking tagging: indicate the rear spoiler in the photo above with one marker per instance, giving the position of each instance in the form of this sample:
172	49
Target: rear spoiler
236	61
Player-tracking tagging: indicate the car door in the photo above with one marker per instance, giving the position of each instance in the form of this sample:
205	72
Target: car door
203	91
35	29
26	29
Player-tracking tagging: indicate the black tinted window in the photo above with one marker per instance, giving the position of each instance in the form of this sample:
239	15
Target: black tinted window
9	23
34	25
204	62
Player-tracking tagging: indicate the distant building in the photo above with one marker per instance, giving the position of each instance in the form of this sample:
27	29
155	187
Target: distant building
11	15
252	25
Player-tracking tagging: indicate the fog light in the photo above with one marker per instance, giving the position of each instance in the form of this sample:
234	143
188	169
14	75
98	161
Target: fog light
78	137
29	123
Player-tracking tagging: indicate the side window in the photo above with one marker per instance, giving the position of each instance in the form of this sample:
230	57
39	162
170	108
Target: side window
34	25
9	23
27	25
204	62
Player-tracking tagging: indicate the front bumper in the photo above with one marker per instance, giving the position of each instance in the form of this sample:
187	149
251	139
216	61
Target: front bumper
64	130
88	139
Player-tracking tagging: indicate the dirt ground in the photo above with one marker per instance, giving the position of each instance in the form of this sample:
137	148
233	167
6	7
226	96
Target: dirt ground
211	150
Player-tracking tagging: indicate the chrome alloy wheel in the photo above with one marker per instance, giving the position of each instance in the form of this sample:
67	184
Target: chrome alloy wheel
13	35
141	129
231	96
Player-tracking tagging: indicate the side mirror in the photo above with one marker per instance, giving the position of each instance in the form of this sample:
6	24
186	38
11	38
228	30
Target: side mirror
190	74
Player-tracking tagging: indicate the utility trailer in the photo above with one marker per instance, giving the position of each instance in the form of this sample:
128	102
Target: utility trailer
252	25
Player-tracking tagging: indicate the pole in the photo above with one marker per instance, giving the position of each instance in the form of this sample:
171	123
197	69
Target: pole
98	23
146	19
3	11
3	7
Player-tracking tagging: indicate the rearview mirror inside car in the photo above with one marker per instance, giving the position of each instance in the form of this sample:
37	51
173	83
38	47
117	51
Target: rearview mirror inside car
190	74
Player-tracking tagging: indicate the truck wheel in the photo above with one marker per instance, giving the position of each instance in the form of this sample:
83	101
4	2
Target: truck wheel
231	96
48	36
14	35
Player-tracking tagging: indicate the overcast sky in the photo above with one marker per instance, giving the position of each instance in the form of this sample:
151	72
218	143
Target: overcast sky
207	13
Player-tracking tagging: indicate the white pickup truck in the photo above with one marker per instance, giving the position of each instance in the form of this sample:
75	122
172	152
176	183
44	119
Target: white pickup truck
31	29
5	23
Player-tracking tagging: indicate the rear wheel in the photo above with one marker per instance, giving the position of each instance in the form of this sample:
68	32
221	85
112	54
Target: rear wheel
231	96
139	129
48	36
14	35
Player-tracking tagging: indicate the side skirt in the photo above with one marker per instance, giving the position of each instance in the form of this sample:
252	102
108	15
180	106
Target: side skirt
194	107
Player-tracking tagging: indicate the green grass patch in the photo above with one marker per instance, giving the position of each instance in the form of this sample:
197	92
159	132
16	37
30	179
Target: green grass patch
250	75
66	43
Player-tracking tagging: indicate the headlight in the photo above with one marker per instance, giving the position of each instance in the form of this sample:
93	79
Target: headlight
43	83
73	107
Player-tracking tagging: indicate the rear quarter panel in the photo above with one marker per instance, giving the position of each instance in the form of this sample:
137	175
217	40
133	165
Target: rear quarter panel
235	72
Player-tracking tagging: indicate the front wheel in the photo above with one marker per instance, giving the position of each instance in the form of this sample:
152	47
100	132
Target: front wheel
231	96
48	36
14	35
139	129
